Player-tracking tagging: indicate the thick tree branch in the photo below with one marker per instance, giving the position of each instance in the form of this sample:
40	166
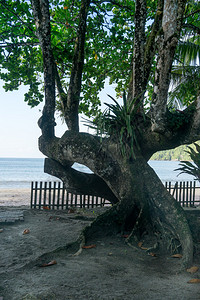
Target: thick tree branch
182	128
42	22
148	51
136	88
75	181
150	46
88	150
173	12
73	95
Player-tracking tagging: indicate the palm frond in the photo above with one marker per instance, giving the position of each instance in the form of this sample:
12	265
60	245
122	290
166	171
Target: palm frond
189	51
191	168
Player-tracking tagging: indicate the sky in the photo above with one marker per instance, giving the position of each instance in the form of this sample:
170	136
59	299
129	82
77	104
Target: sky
19	131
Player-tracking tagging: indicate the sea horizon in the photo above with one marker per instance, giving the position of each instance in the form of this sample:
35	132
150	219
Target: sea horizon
20	172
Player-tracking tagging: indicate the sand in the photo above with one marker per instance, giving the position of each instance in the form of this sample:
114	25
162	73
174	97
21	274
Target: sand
111	270
15	197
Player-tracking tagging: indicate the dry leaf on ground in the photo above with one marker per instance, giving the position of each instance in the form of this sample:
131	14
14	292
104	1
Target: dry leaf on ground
89	246
194	280
141	247
144	248
51	263
46	207
177	255
193	269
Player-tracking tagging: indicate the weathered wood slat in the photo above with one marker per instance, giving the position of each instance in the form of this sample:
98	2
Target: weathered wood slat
40	194
185	193
63	197
53	195
32	204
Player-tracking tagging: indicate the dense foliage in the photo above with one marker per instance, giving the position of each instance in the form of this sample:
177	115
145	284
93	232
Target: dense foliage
108	49
179	153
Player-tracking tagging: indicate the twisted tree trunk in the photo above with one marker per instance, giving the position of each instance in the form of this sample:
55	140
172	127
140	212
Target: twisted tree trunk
142	207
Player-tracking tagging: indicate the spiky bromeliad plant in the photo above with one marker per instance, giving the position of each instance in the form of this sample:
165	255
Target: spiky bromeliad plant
191	168
119	121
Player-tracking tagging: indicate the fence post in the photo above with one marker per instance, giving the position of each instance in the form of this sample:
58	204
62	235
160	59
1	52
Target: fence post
194	190
187	189
175	189
67	200
54	195
76	200
63	196
49	195
32	194
190	198
40	194
35	198
180	192
58	196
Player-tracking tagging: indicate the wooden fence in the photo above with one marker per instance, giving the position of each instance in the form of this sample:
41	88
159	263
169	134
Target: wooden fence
187	193
53	195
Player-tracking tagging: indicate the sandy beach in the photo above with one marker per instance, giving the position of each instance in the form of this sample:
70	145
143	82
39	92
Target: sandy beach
15	197
110	270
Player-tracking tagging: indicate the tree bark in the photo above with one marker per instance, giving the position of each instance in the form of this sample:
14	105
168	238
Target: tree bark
142	204
42	22
173	12
73	95
75	181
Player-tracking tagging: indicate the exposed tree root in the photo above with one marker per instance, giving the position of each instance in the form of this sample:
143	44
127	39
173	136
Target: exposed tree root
108	223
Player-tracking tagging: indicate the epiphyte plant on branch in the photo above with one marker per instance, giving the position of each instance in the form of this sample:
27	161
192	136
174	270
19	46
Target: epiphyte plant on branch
73	47
191	168
120	122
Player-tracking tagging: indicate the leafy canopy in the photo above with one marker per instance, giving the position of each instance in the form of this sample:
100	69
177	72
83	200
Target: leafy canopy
108	50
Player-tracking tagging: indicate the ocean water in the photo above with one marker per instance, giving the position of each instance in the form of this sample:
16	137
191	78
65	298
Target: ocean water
19	172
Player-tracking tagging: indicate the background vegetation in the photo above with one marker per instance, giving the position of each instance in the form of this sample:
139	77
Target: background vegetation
173	154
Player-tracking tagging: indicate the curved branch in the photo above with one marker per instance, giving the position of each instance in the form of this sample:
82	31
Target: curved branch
75	181
182	128
88	150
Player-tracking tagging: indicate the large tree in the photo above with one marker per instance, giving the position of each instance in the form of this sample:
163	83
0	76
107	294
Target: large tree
76	45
